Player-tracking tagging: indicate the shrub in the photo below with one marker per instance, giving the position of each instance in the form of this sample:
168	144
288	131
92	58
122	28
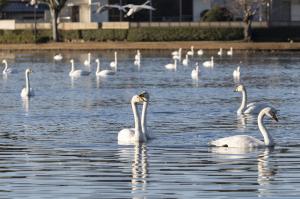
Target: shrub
218	14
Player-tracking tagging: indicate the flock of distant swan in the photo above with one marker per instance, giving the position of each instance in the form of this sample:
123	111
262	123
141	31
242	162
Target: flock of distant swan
140	134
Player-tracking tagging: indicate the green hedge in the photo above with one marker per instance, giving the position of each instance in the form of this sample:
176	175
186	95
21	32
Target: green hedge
153	34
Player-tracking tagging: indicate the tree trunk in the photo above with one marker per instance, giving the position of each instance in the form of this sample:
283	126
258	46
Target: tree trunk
54	25
247	31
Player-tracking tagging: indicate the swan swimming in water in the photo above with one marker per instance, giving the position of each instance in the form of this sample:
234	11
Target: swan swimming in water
27	91
114	63
58	57
138	134
88	61
200	52
236	73
77	73
185	61
177	54
251	108
230	52
6	69
103	73
195	72
191	52
220	52
209	63
245	141
172	66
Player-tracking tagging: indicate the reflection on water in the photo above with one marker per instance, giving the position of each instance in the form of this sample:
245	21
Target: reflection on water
63	142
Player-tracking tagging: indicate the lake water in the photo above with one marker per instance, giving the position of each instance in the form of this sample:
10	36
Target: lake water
62	143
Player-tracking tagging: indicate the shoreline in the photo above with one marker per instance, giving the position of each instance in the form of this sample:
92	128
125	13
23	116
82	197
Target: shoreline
206	45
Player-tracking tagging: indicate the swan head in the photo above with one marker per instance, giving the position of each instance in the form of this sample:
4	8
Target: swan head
137	99
239	88
144	96
4	61
28	71
72	61
97	61
270	112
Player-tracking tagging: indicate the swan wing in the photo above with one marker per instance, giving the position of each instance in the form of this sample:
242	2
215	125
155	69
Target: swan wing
126	136
255	108
238	141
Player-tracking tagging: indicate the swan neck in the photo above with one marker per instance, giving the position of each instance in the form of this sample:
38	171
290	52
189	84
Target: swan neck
98	67
5	66
72	66
268	140
138	136
244	101
144	119
27	82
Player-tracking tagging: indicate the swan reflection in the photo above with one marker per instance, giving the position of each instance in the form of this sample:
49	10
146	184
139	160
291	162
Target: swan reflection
25	104
265	170
139	168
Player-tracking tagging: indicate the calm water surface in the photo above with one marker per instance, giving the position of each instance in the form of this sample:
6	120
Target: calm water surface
63	142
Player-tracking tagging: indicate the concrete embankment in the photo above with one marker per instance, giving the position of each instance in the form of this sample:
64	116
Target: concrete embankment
273	46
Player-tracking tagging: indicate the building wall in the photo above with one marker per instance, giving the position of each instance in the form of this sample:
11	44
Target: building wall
198	7
295	10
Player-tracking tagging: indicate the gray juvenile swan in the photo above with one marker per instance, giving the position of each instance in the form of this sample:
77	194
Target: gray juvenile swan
245	141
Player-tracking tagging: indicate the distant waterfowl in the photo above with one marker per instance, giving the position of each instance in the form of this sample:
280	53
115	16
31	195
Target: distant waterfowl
103	73
88	61
191	52
220	52
136	8
245	141
185	61
209	63
58	57
137	59
230	52
7	70
27	91
77	73
236	73
177	54
115	62
195	72
200	52
251	108
134	135
172	66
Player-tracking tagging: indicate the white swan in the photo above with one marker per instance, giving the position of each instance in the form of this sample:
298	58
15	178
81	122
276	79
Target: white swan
220	52
185	61
200	52
6	69
137	59
177	54
195	72
77	73
27	91
115	62
58	57
209	63
236	73
136	8
251	108
88	61
172	66
133	135
230	52
245	141
191	52
103	73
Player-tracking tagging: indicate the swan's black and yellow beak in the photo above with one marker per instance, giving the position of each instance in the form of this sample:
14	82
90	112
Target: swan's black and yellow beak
143	96
274	117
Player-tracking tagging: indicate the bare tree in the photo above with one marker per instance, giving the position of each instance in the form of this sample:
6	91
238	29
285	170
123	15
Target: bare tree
55	6
250	8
